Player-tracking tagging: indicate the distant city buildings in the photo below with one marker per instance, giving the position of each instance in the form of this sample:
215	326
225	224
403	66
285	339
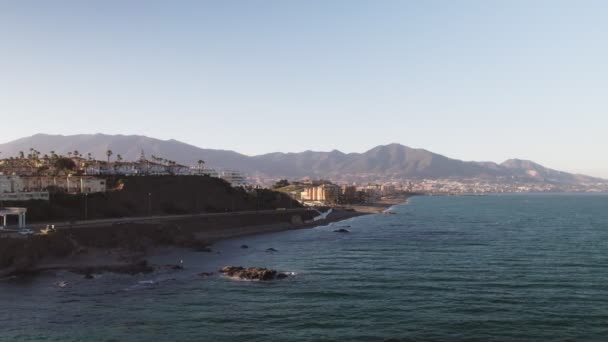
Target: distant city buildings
32	175
321	193
329	193
325	192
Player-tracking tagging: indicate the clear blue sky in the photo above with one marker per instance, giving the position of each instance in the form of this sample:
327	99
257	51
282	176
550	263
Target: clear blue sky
474	80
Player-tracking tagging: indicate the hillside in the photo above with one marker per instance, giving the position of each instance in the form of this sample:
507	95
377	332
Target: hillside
392	160
154	195
129	146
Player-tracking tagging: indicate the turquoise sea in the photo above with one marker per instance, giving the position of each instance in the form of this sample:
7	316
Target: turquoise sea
494	268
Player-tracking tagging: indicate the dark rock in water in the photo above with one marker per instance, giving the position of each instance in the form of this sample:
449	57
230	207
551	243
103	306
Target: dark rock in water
205	274
176	267
342	230
203	249
252	273
271	250
89	276
231	269
244	246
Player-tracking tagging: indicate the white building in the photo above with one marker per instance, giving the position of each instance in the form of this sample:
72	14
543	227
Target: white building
388	189
15	188
146	167
127	169
196	171
235	178
84	184
180	170
19	212
97	169
25	196
69	184
9	184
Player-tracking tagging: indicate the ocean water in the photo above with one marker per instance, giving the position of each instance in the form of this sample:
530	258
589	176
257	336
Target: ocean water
495	268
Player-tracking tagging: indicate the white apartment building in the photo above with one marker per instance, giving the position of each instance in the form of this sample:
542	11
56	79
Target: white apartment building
69	184
10	184
14	188
235	178
136	168
196	171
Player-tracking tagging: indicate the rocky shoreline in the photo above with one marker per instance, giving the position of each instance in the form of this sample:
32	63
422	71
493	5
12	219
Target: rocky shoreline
125	249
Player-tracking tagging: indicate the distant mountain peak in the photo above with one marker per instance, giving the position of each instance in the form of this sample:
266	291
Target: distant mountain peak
384	161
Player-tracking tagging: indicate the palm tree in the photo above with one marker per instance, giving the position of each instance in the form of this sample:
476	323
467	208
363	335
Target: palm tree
21	155
118	157
76	154
53	155
109	153
201	163
89	156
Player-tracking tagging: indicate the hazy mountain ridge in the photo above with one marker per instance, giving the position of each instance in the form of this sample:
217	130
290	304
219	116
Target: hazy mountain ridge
392	159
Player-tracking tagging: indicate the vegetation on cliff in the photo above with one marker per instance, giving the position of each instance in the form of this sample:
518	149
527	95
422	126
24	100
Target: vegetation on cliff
154	195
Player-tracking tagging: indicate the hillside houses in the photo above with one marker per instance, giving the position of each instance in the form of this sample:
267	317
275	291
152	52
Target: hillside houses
20	188
139	168
48	169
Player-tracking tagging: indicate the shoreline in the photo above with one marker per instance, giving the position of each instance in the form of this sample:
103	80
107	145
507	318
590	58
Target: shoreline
380	206
90	260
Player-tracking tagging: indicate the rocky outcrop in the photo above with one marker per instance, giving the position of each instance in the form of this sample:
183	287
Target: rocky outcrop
252	273
342	230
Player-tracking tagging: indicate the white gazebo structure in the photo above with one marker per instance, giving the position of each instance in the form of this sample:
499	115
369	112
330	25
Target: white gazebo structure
20	212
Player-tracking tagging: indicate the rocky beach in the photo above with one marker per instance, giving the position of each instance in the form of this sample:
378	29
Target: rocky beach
126	247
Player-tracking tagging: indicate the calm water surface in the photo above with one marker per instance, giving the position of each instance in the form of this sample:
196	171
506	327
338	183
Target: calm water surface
516	267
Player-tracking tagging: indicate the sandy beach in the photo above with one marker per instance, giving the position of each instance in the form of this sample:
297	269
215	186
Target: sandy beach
379	206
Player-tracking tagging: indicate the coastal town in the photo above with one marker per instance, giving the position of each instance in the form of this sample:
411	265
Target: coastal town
33	176
301	171
154	201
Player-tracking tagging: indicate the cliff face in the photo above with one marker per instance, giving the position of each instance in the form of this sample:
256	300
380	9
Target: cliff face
154	195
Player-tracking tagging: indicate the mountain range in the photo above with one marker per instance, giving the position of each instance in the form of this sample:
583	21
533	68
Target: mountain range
393	161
